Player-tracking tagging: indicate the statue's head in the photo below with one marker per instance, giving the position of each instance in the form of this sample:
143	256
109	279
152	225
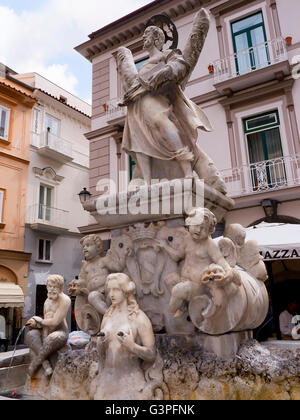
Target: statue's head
201	223
237	233
120	288
92	246
55	286
154	36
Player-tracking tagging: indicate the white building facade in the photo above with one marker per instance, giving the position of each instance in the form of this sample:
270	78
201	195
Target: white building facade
59	169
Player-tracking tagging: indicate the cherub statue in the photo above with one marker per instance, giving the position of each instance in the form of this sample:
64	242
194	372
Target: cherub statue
161	122
248	256
129	365
49	335
90	287
199	252
96	268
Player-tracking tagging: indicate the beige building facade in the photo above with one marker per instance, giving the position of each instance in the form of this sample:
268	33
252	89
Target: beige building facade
16	103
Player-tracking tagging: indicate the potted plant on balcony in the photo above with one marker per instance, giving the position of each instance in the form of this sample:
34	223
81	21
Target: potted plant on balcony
211	69
288	40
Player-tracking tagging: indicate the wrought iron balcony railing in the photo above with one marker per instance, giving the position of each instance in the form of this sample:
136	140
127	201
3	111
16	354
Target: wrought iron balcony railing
269	175
251	59
114	111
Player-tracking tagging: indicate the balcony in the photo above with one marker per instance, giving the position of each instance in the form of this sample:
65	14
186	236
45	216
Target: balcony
47	219
53	147
252	66
115	114
271	175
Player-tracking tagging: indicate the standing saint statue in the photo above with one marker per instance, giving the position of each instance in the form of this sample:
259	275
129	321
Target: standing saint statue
161	124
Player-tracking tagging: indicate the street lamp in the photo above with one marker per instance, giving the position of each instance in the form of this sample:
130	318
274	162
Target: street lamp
84	196
270	208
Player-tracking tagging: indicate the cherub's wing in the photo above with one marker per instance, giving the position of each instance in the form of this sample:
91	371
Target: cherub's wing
126	68
228	251
196	41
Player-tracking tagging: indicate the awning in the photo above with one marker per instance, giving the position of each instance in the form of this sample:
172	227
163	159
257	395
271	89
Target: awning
277	241
11	295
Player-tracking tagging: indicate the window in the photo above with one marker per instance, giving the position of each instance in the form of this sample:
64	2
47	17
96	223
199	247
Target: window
265	151
140	63
45	203
2	198
44	250
41	296
4	122
131	167
249	41
52	125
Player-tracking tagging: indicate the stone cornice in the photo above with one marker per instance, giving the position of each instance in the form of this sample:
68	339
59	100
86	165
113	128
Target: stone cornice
48	174
109	131
257	91
229	6
9	155
118	33
14	255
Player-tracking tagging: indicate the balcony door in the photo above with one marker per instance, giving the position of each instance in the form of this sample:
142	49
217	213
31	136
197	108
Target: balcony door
45	203
250	44
267	165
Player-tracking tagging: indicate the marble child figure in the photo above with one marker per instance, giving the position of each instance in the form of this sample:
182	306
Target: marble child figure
202	259
248	255
161	123
126	345
49	335
96	268
91	282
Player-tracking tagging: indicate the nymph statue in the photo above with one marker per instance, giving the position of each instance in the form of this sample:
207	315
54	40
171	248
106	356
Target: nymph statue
161	123
49	335
128	360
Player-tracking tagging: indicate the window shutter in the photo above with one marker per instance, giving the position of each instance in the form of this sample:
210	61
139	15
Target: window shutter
1	205
7	121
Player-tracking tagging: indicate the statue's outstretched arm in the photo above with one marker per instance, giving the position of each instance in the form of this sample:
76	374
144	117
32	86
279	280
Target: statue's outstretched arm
195	43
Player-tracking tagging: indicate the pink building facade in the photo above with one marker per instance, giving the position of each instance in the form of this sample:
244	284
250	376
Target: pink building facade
247	82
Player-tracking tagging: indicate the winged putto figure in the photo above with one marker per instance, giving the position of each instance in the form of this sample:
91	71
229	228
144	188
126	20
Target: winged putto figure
161	124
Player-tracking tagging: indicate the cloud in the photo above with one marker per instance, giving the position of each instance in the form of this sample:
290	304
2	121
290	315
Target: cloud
43	40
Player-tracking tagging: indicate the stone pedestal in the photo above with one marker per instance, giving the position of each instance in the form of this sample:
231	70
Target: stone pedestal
223	346
160	202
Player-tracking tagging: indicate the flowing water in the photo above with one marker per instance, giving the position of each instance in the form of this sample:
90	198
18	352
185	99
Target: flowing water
14	352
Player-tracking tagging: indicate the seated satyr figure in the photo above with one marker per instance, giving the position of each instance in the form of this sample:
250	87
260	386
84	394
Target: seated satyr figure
128	360
49	335
199	251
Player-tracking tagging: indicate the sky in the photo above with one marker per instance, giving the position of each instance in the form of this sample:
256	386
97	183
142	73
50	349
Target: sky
40	36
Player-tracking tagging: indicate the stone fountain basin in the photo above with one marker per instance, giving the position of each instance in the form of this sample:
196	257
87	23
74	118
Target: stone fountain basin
18	373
